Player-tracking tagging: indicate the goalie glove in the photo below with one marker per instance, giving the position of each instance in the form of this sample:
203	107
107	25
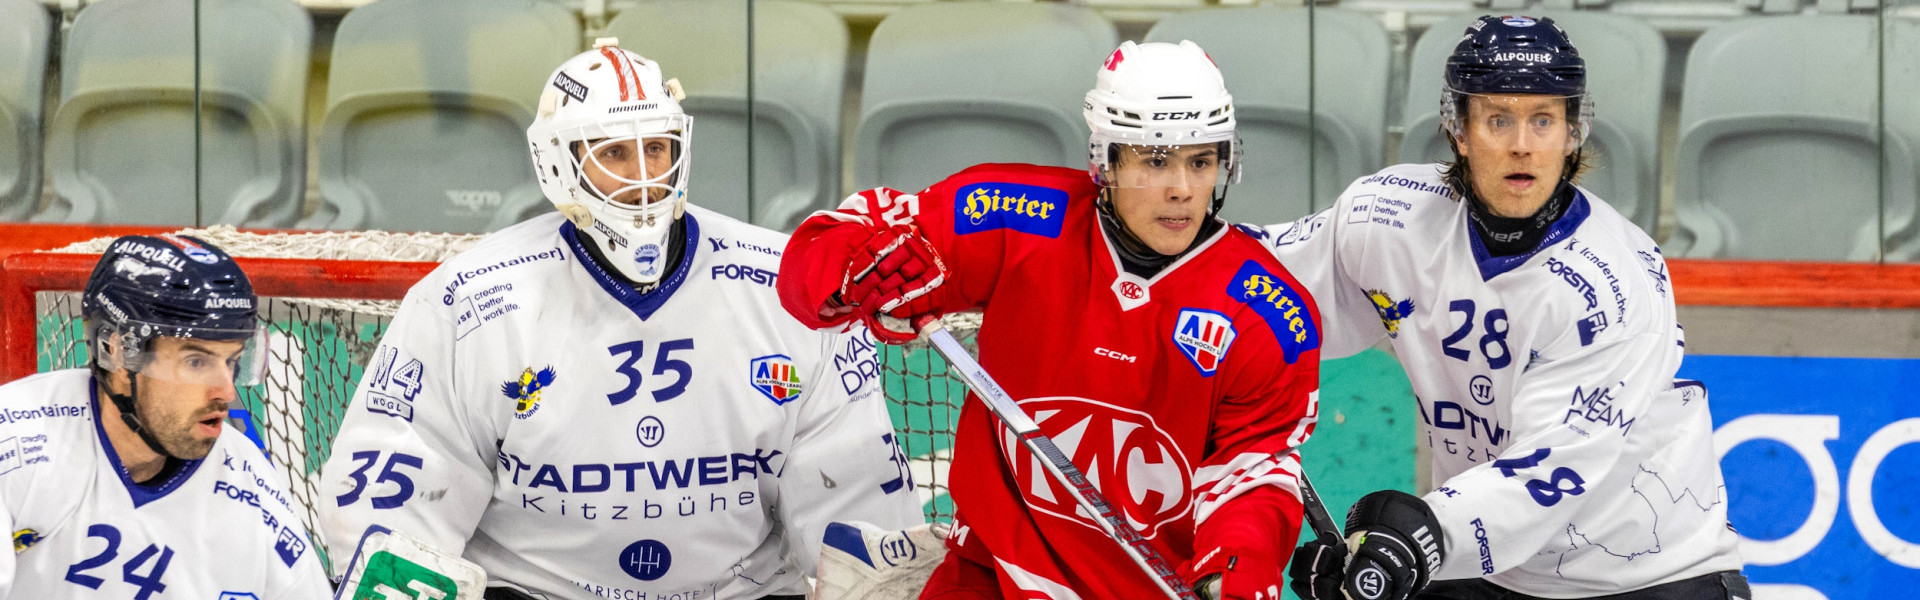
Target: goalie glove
888	278
389	565
860	561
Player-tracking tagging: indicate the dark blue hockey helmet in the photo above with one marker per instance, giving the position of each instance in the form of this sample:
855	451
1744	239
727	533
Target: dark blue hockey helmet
1511	55
168	286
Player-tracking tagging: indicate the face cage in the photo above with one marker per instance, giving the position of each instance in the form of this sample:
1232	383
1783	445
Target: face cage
137	354
677	131
1452	102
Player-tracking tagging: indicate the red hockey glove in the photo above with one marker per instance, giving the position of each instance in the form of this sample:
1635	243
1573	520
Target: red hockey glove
890	275
1242	547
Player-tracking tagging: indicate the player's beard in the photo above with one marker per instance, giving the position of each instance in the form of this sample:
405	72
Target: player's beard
176	426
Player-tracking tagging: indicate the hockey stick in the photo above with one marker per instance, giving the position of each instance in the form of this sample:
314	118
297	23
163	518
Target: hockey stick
1009	413
1318	518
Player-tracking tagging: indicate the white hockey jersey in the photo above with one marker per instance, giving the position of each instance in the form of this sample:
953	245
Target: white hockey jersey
579	439
218	528
1570	461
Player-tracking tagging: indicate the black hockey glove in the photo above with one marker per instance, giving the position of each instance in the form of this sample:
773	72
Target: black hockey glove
1396	546
1317	571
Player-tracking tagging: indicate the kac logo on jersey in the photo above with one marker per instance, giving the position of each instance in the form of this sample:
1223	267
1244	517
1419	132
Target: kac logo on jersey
1203	336
24	539
525	391
1124	453
1025	208
775	377
1284	309
1390	312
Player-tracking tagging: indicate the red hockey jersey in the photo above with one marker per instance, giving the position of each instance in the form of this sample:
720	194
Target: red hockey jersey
1175	394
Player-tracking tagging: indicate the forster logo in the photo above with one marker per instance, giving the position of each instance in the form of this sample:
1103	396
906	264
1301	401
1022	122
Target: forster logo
1025	208
775	378
1203	336
1391	313
1124	453
525	391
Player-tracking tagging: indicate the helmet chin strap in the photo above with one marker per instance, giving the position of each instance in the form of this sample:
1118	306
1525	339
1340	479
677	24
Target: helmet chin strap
124	402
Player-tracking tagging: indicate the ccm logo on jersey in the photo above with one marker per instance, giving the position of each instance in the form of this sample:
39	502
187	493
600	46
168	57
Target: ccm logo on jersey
1024	208
1203	337
1114	354
1125	454
1284	309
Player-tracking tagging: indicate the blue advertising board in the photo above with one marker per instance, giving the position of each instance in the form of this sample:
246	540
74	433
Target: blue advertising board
1822	465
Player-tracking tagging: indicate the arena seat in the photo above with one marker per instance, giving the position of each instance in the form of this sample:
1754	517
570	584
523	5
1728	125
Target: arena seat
25	28
1780	151
799	69
427	110
122	145
1304	141
950	85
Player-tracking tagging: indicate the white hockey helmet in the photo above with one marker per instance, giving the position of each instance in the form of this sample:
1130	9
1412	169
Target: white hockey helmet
1160	94
596	99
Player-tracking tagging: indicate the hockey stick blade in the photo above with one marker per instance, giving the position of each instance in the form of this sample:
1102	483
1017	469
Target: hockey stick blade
1319	519
1056	464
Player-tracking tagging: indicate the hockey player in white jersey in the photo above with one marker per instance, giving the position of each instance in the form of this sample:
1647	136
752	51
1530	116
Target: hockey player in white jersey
121	480
1538	329
609	402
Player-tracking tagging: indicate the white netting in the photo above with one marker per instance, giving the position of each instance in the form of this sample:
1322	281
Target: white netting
318	347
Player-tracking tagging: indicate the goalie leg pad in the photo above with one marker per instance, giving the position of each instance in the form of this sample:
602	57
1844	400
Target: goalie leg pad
860	561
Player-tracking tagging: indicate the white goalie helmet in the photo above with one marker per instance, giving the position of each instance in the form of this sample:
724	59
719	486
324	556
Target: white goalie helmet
1159	95
591	105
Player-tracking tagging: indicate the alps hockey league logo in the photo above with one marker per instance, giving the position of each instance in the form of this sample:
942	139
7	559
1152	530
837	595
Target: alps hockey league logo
1203	337
525	391
775	377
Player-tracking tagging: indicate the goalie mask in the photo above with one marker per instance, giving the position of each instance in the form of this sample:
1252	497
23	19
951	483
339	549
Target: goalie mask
147	288
1151	100
609	148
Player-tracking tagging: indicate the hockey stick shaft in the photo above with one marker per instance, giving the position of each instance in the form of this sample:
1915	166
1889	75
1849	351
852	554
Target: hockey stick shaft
1318	518
1009	413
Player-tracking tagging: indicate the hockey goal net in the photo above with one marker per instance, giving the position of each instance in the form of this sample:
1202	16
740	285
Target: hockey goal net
326	300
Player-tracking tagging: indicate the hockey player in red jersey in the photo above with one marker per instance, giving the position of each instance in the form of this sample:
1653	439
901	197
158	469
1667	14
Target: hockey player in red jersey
1168	355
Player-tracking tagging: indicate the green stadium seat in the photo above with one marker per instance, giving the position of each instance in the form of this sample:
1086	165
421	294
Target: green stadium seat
1780	148
25	36
799	69
428	105
953	84
122	145
1302	148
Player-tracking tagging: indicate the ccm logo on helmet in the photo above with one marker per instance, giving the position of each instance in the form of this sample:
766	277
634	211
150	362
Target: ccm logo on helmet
1176	116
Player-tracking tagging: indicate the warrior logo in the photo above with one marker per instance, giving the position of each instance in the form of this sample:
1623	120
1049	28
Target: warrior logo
525	391
776	378
1124	453
1203	336
1391	313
